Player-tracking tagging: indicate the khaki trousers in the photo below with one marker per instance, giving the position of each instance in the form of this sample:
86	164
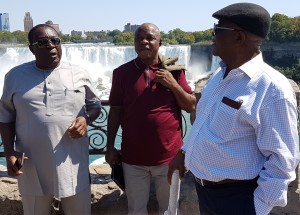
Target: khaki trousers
138	181
79	204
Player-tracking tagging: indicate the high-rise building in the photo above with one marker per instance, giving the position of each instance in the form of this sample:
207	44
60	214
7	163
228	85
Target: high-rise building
55	26
4	22
130	28
28	22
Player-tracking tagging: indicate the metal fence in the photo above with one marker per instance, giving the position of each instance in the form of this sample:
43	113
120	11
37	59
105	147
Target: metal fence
97	132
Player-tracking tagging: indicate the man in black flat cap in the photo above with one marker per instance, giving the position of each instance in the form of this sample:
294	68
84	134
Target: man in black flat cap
243	147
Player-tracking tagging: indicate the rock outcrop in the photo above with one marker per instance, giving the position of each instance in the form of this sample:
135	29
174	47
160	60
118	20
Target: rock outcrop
106	197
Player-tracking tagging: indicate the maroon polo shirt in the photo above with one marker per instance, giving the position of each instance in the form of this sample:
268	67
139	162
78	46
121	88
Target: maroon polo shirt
151	118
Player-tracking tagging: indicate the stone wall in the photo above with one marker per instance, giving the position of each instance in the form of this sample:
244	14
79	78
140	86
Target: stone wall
106	198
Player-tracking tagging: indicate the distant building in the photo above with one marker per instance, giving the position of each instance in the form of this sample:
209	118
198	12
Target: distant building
76	33
55	26
28	22
130	28
4	22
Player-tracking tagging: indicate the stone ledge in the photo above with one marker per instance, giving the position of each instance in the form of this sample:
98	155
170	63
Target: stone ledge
108	199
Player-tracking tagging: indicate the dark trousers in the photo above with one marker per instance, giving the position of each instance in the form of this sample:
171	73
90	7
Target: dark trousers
227	199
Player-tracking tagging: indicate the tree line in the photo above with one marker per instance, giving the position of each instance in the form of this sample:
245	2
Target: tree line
283	29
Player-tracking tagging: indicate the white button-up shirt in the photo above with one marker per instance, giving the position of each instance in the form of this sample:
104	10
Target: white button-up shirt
246	126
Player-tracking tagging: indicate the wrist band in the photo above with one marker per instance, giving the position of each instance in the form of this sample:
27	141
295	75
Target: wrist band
88	118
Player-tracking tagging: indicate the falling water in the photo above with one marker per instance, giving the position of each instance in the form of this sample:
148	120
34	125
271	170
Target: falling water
100	60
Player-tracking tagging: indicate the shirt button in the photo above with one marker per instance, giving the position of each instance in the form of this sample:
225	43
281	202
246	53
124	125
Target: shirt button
49	94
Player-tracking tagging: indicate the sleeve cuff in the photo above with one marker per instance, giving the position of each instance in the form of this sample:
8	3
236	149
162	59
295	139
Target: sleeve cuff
261	207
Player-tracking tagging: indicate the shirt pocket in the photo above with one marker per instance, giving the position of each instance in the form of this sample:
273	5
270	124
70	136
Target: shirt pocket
74	101
68	102
224	120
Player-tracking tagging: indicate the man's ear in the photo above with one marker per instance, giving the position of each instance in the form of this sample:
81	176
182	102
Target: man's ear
160	43
240	36
31	49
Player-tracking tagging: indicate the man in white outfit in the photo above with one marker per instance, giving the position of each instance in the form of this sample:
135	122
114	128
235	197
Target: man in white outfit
45	109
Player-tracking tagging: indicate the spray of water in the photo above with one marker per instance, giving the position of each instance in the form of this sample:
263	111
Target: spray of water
100	60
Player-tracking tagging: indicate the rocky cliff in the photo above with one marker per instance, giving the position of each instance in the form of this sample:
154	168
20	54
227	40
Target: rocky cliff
275	54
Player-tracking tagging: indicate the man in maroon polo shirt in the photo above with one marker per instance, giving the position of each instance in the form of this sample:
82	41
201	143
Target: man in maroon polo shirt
147	101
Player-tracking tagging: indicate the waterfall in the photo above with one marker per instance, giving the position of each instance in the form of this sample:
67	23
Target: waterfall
215	63
101	59
98	59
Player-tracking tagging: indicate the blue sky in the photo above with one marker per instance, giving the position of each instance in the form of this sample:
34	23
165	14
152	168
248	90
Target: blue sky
93	15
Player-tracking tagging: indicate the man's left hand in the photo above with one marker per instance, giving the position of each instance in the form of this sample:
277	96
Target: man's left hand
165	78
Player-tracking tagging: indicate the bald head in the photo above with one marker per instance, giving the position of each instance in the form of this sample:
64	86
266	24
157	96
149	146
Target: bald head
147	41
147	27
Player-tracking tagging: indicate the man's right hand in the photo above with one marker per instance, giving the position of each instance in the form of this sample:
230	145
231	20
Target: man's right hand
12	169
176	163
112	156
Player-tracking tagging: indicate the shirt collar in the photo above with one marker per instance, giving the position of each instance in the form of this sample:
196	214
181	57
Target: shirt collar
250	68
140	65
46	70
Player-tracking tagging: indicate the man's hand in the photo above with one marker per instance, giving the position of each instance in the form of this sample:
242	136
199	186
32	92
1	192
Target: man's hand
11	159
165	78
176	163
112	156
78	128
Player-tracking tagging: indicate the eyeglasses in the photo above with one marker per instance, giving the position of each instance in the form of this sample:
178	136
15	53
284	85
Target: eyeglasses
217	29
43	42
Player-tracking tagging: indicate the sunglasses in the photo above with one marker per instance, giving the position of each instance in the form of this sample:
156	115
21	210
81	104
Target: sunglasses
43	42
218	29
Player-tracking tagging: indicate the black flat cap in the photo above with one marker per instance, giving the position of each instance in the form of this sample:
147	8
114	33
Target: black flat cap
250	17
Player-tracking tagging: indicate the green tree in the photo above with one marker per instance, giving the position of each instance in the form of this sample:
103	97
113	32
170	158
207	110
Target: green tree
20	36
103	36
284	28
292	72
75	38
114	33
90	37
65	37
6	37
168	39
186	38
125	38
198	36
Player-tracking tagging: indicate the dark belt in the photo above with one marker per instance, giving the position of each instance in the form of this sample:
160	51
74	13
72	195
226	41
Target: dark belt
229	182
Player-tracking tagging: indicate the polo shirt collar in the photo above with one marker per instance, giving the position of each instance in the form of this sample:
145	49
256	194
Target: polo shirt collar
140	65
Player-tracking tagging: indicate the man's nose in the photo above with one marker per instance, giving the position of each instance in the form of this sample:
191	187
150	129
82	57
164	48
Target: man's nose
144	41
50	44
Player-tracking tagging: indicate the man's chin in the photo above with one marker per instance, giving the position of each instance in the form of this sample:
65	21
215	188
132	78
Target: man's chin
54	63
145	56
214	53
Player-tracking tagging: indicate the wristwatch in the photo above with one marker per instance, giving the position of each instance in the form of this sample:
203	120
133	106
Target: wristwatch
88	118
